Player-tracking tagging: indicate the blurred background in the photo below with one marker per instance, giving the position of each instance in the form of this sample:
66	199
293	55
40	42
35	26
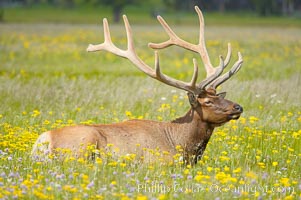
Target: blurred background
285	12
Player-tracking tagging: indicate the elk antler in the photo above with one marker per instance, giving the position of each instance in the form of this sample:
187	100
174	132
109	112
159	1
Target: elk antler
201	49
130	53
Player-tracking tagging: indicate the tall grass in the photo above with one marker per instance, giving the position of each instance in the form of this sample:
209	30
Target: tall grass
47	80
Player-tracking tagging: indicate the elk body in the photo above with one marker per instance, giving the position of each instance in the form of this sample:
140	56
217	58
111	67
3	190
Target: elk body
192	131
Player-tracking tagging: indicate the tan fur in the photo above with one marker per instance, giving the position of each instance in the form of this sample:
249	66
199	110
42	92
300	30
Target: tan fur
42	144
192	132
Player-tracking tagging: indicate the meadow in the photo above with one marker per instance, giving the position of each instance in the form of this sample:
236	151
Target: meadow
48	80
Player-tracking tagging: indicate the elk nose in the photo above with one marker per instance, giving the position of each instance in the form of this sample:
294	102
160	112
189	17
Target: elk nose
238	108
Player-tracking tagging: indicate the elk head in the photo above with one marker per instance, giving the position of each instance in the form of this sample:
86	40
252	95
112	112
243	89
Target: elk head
213	108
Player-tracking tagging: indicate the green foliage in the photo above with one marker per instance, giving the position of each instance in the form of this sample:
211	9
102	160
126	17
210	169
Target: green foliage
267	7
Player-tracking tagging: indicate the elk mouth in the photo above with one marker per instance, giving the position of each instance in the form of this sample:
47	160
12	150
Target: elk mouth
234	116
236	112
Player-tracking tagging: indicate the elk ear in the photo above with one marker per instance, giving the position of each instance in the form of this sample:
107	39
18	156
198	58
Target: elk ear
193	100
222	94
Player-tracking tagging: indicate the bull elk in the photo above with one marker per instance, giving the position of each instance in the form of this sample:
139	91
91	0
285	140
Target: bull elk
192	131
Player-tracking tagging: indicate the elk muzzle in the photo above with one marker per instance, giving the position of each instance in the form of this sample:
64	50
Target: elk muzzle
236	111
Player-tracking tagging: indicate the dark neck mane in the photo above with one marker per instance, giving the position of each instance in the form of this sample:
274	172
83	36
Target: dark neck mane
193	134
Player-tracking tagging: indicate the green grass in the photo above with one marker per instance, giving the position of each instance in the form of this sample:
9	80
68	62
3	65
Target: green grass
48	80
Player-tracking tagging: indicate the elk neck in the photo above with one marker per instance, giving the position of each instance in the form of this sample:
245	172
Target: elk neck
189	131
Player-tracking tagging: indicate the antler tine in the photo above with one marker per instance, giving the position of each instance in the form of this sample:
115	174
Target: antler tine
172	36
195	74
107	45
202	50
173	39
228	57
218	71
236	67
106	31
131	47
202	46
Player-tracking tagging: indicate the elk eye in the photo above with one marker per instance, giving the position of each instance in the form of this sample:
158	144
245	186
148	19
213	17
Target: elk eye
208	102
